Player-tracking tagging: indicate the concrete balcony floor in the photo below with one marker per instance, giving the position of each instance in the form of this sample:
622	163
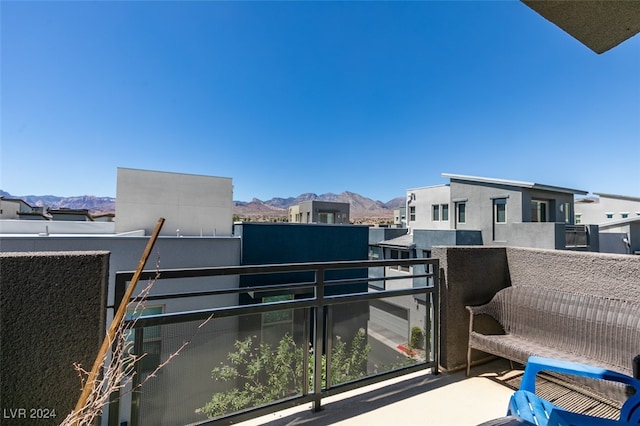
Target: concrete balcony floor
415	399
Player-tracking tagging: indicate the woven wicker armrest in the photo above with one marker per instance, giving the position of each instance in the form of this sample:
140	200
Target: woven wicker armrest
490	308
487	309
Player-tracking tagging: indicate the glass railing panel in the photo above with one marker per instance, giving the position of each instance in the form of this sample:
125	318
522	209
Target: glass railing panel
377	336
229	365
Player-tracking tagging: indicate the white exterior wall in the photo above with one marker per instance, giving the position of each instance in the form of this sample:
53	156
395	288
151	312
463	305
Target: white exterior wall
9	209
423	199
596	213
192	205
60	227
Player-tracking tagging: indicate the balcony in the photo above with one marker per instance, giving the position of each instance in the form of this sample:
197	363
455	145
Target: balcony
267	337
311	301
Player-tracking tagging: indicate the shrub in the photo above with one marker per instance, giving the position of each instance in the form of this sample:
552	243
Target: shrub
263	375
416	341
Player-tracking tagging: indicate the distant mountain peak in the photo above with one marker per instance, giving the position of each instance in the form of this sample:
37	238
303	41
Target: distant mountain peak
361	206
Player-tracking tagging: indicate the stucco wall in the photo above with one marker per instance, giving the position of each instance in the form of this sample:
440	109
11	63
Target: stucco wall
193	204
472	275
52	310
422	199
168	252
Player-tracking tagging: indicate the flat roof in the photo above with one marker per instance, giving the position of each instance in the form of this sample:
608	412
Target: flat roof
404	241
619	197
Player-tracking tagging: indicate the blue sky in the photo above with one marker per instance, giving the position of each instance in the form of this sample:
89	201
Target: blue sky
293	97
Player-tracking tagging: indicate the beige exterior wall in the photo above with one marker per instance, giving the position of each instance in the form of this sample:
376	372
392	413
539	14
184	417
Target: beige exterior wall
294	214
192	205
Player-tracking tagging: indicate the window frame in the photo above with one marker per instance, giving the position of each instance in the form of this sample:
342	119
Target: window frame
541	211
461	218
500	211
444	212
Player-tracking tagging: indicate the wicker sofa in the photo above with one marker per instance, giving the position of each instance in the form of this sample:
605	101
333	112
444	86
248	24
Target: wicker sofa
594	330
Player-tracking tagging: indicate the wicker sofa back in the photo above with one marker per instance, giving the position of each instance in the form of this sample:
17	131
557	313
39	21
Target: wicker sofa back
575	327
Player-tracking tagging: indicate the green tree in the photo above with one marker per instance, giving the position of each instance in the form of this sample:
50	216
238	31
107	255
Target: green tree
263	375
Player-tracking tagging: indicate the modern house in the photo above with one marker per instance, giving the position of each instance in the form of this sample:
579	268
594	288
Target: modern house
14	208
400	217
315	211
605	208
65	214
618	218
506	212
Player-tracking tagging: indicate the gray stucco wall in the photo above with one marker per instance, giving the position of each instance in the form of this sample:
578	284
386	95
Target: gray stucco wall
472	275
479	206
52	310
469	276
169	252
427	238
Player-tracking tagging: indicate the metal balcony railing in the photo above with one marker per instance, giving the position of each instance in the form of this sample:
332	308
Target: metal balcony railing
576	236
267	337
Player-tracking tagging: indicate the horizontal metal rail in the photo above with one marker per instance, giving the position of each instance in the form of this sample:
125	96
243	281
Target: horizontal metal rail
311	298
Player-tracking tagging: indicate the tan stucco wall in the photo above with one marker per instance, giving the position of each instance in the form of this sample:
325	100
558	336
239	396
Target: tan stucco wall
52	310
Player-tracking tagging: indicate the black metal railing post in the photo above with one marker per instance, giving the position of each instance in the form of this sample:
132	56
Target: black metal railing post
319	337
318	310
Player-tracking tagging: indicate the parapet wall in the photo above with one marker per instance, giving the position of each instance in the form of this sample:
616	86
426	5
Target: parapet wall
611	275
472	275
52	310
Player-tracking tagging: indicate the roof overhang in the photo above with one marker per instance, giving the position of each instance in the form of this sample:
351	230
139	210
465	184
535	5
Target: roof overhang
401	242
599	25
515	183
618	197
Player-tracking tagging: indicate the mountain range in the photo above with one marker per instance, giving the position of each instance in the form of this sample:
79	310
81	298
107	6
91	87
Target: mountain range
361	207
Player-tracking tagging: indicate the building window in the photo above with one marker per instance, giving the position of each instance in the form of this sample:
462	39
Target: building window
609	215
539	211
326	217
624	215
445	211
400	254
566	209
500	210
461	212
277	317
436	213
578	218
375	252
412	213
